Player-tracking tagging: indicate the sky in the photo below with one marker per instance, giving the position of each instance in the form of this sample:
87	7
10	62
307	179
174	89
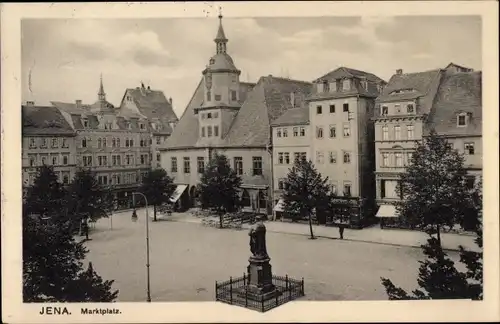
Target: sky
67	56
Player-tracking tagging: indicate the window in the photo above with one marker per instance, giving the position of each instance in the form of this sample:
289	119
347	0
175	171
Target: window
346	85
319	132
141	126
334	187
85	123
216	131
347	130
55	160
469	148
409	157
319	110
296	156
347	188
326	86
285	132
278	132
385	159
187	165
158	140
347	157
87	161
158	157
99	143
287	158
332	108
127	142
131	143
217	97
398	108
281	184
100	160
113	142
320	156
462	120
398	159
203	132
238	165
209	96
201	164
173	164
257	165
143	159
345	107
385	133
44	160
54	142
332	157
65	178
303	155
32	159
385	111
397	132
44	143
295	131
410	131
65	160
84	142
209	131
32	143
118	142
333	131
209	115
280	158
409	108
114	162
233	95
302	131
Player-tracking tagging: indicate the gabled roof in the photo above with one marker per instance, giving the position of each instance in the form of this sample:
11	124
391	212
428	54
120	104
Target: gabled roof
269	99
459	92
345	72
43	120
152	103
294	116
419	85
461	68
186	132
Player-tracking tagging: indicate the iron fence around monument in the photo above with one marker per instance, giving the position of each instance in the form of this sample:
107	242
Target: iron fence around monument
235	292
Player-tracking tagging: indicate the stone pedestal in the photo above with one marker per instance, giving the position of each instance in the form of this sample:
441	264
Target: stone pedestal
260	279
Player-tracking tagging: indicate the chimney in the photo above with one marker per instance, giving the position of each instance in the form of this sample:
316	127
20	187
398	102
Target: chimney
170	101
399	71
78	103
30	103
149	88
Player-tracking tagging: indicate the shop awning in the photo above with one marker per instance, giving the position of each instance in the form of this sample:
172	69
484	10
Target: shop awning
177	193
388	211
279	206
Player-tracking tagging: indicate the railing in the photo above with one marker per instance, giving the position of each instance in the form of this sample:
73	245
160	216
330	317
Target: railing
235	292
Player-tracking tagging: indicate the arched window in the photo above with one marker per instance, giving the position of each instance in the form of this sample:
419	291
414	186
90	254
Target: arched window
245	198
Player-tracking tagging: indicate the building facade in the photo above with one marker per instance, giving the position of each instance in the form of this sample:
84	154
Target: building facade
446	100
119	143
47	139
230	117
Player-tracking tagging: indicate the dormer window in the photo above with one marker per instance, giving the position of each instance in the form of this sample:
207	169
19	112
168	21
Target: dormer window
385	110
462	120
141	126
326	86
209	116
410	108
398	108
212	61
129	125
209	96
85	123
217	97
346	85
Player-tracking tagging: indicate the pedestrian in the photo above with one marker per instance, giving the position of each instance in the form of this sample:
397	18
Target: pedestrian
341	231
85	226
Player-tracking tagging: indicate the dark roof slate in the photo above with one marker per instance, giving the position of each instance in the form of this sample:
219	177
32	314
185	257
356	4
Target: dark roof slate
345	72
295	116
459	92
43	120
152	103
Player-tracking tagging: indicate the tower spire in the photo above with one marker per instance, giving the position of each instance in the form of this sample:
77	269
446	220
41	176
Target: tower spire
101	94
220	39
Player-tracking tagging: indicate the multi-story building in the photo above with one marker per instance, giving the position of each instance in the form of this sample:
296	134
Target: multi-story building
291	140
231	117
48	139
447	100
117	143
342	140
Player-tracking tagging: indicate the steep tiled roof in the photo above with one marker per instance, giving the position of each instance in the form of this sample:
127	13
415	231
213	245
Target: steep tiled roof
269	99
343	72
295	116
41	120
152	103
71	107
458	93
420	85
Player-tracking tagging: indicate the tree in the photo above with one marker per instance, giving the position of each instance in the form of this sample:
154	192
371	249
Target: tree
219	186
433	187
87	198
46	195
52	265
158	187
304	190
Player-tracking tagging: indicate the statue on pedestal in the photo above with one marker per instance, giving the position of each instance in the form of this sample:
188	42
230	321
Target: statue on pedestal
258	239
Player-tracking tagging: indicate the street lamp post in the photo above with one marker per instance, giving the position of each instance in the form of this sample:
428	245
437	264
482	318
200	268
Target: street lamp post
147	242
